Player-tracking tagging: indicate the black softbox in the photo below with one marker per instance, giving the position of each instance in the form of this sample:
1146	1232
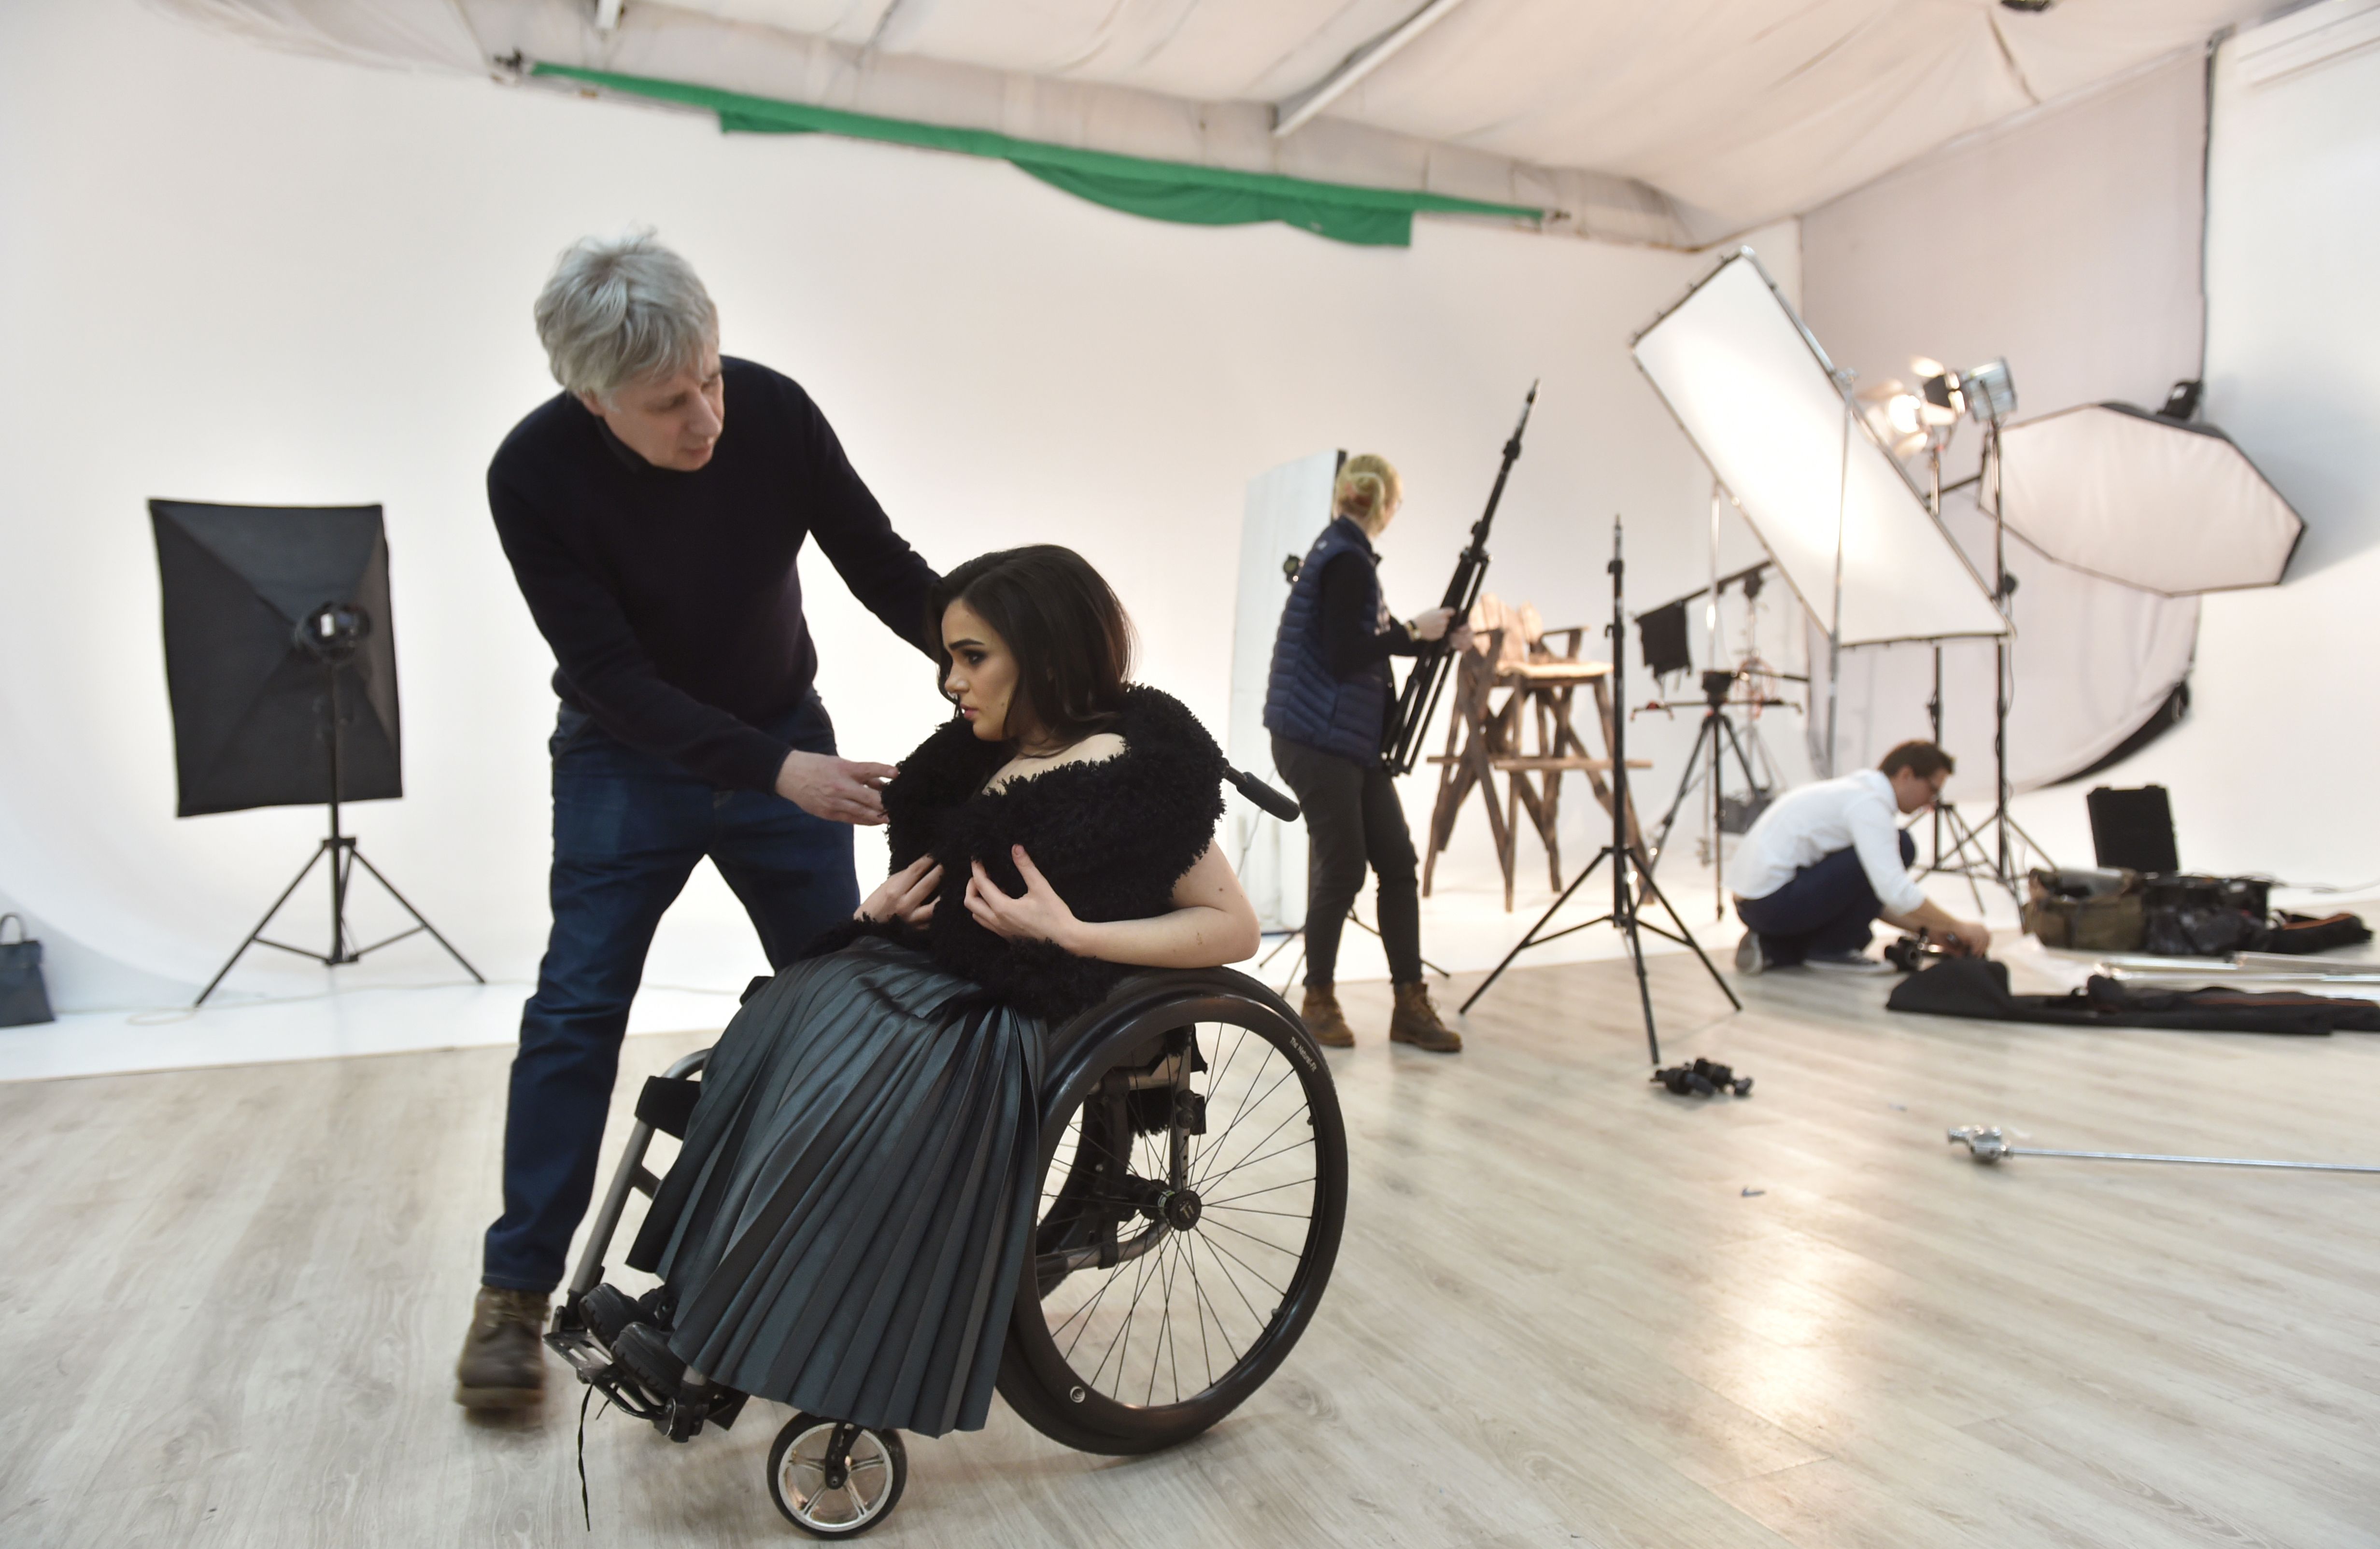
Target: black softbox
251	701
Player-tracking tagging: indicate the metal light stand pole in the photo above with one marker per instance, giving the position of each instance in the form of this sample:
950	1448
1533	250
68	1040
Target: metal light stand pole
341	850
1629	872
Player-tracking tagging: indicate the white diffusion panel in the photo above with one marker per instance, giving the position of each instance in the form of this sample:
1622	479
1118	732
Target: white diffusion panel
1751	388
1287	507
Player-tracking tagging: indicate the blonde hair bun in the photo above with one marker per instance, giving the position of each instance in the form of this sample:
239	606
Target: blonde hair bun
1368	490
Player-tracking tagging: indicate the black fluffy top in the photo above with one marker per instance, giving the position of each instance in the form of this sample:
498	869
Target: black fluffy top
1112	837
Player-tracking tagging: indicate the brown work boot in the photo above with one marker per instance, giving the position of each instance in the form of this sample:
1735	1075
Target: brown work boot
1325	1020
1416	1023
504	1358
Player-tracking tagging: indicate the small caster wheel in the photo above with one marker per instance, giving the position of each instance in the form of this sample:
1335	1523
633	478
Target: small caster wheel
834	1480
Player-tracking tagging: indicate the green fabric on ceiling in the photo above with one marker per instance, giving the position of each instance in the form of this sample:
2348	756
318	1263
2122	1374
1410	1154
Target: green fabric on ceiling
1175	192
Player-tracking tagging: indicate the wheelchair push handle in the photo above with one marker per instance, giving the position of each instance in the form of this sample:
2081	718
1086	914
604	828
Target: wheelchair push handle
1264	795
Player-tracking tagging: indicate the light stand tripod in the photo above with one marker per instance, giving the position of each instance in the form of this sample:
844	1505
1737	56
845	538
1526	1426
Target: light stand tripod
1969	856
1631	874
330	635
1715	737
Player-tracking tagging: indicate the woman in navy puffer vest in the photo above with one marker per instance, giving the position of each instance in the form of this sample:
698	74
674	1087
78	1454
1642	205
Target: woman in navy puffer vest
1327	705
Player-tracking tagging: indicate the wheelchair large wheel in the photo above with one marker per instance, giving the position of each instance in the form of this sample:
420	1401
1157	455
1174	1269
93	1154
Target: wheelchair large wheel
1193	1186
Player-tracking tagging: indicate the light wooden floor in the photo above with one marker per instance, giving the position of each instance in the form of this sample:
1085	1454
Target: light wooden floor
229	1300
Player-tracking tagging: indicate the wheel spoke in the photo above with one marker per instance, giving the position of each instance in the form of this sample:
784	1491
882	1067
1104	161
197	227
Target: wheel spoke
1248	1210
1252	1161
1248	1108
1244	1265
1252	1193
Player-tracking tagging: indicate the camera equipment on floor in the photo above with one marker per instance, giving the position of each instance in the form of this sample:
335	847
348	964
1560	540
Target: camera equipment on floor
1916	951
2138	898
1401	747
281	666
1704	1078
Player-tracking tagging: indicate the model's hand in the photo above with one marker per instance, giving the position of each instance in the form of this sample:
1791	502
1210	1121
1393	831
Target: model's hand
1039	915
1969	938
907	895
835	789
1433	625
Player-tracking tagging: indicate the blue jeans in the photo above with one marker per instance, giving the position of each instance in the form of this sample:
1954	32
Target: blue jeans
628	830
1826	907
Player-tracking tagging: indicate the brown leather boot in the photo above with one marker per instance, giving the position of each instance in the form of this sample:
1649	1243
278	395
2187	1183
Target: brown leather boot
504	1359
1325	1020
1416	1023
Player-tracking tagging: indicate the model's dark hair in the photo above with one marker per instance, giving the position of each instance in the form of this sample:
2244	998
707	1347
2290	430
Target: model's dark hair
1059	618
1920	758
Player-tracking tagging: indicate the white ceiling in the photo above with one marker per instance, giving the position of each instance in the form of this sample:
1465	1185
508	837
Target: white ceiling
1681	121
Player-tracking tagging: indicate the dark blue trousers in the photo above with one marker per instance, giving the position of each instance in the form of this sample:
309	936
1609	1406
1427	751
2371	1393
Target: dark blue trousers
1827	907
628	830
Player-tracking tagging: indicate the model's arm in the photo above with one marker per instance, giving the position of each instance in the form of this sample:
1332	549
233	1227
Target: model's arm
1211	923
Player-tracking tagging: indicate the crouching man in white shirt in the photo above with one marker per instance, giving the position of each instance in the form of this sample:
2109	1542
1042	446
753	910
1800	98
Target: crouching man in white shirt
1826	861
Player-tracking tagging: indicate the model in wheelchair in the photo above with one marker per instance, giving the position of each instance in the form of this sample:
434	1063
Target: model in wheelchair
1193	1186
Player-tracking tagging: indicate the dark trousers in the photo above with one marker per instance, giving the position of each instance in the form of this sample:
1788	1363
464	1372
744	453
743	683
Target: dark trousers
628	830
1353	820
1826	907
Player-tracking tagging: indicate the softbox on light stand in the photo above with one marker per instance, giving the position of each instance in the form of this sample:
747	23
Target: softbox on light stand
2155	503
281	667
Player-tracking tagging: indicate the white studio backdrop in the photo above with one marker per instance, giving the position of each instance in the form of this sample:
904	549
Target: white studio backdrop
2272	770
232	274
2066	241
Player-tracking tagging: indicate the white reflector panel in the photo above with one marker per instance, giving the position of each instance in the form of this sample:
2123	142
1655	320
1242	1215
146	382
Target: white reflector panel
1757	397
2170	508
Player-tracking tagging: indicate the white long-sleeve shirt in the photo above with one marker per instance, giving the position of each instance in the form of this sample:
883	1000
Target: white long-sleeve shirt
1804	827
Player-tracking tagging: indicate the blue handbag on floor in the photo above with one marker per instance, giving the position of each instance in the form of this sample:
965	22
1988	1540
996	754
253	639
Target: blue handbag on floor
24	998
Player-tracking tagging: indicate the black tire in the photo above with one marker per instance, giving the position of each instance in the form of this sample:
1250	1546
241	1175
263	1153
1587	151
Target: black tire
1204	1293
879	1470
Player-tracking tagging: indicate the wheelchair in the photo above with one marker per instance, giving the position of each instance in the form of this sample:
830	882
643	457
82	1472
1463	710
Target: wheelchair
1194	1185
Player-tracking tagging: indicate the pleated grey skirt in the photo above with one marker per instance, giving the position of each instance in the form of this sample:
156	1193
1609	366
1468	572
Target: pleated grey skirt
848	1216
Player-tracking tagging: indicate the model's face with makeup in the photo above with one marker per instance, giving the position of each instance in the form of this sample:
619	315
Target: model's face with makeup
982	676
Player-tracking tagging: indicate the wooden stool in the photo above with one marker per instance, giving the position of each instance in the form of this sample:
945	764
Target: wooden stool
1512	658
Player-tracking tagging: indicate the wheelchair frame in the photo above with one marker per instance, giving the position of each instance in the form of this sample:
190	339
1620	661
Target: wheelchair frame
1093	1067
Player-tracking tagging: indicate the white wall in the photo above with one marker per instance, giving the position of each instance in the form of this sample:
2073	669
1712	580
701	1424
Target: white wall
2273	770
2066	241
228	274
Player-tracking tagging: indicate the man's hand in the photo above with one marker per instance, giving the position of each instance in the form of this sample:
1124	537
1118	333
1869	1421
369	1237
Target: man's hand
835	789
1967	937
1433	625
1039	915
907	895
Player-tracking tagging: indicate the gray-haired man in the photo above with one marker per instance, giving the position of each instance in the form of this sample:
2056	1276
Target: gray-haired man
656	547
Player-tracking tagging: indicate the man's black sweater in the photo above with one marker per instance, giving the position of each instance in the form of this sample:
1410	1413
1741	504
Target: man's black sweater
670	599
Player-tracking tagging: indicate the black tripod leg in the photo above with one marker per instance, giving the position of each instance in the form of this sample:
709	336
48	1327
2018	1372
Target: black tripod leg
1686	782
1624	917
1688	935
416	914
1531	938
304	872
1356	920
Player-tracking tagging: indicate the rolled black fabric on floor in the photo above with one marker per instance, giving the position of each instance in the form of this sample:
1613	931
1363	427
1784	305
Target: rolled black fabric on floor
1978	988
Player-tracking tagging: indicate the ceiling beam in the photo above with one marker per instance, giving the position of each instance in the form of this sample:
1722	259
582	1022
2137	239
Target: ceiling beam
1291	113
